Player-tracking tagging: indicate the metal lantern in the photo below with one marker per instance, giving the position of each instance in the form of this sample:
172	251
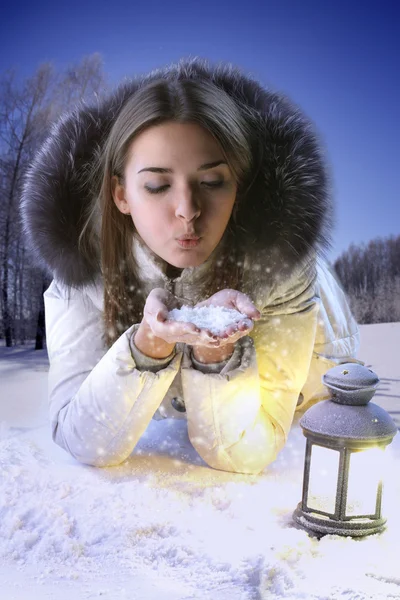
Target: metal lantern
346	438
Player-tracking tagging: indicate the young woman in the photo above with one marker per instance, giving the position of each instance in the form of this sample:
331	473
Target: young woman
188	150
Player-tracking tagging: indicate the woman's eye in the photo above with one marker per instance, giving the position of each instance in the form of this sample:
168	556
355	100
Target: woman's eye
211	184
155	190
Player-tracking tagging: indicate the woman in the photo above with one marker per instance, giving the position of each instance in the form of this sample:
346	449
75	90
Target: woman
188	150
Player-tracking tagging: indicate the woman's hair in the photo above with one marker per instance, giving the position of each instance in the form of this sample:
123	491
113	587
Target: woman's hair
181	101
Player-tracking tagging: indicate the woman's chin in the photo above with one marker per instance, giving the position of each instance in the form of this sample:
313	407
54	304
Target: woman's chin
187	259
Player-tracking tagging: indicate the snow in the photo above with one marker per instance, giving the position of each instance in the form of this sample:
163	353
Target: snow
165	525
214	318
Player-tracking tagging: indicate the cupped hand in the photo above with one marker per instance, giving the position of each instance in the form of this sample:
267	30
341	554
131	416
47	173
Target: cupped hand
158	304
233	299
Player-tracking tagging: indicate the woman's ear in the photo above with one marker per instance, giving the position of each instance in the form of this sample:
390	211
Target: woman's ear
118	194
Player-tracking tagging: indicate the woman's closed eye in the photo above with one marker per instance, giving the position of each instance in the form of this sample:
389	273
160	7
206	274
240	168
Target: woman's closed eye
211	184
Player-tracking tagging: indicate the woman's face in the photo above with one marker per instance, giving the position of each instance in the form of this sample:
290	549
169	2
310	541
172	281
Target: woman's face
194	197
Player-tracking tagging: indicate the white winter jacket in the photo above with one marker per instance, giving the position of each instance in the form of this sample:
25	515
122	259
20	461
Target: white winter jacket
238	412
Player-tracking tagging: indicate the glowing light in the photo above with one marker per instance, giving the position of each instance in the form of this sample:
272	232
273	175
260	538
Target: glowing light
365	472
324	468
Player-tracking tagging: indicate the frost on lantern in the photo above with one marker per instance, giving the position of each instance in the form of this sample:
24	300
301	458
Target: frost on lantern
344	463
214	318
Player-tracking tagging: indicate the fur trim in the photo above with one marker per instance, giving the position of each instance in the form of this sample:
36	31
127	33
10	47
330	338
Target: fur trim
287	209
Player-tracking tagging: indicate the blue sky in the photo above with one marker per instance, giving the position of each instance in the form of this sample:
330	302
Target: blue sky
337	60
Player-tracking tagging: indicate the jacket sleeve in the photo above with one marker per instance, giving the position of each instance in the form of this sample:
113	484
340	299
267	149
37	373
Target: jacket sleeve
239	419
100	400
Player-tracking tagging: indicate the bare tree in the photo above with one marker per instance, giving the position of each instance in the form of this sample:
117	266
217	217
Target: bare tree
79	82
21	112
27	111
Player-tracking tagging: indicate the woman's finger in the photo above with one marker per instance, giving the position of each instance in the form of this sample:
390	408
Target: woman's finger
247	324
246	306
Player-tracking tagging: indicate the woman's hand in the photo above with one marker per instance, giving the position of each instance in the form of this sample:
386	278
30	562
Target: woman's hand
235	300
159	302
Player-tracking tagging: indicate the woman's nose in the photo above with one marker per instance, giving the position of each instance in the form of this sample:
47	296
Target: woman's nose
188	206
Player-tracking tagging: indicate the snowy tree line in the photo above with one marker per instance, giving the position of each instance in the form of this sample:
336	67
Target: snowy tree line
370	276
27	110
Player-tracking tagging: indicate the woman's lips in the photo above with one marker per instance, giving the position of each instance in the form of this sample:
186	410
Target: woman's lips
189	243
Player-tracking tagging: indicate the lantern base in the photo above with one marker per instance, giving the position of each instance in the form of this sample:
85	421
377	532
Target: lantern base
329	526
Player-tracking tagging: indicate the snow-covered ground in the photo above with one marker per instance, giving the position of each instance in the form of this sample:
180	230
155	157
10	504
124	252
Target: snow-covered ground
163	524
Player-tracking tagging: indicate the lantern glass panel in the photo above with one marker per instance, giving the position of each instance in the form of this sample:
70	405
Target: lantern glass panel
365	472
324	470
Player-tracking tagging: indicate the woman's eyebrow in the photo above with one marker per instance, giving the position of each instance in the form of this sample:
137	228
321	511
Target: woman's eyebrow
204	167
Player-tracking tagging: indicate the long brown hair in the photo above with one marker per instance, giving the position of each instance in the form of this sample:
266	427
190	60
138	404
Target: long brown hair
182	101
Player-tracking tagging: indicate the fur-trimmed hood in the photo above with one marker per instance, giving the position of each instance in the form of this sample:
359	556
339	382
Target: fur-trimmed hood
288	207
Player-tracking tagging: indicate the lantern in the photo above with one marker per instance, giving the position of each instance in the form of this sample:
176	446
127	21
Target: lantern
344	460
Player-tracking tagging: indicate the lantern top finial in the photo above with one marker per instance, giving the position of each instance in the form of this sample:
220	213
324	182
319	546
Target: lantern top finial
351	383
348	417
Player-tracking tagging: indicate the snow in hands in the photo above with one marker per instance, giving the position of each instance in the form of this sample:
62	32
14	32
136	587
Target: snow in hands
214	318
